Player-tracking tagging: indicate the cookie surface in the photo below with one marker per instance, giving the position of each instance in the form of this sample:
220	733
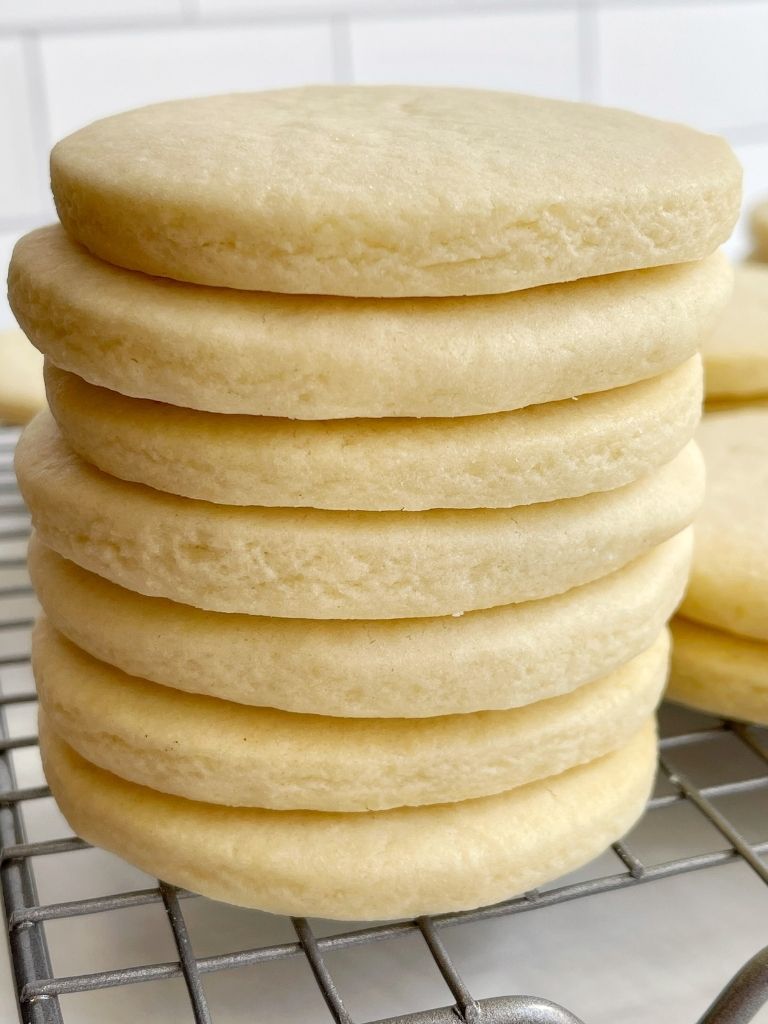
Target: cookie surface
736	351
718	672
440	857
546	452
22	394
729	574
224	753
318	564
310	357
392	191
397	668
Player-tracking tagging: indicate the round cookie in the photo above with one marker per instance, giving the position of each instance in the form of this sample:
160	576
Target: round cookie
542	453
218	752
718	672
22	393
313	563
439	858
729	575
393	668
315	357
392	191
759	224
736	352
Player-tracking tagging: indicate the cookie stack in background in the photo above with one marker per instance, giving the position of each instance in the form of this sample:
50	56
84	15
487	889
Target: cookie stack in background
759	225
720	659
355	606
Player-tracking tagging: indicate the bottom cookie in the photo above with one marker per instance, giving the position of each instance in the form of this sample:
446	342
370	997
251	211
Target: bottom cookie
719	672
374	865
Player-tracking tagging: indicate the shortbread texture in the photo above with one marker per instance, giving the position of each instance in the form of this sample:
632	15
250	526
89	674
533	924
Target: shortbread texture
440	857
392	191
317	357
718	672
313	563
736	351
542	453
729	575
219	752
394	668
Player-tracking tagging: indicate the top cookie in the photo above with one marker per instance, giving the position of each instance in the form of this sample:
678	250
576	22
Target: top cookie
392	191
736	352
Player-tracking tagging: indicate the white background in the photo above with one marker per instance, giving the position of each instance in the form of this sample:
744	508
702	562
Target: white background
645	956
65	62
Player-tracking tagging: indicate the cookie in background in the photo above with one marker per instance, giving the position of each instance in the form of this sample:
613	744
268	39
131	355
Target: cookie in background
22	391
720	656
736	352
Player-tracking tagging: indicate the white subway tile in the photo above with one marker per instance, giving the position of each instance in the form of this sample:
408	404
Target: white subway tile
754	159
21	180
527	51
45	12
91	75
702	63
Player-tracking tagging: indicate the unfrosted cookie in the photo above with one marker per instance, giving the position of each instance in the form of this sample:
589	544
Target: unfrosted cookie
736	352
320	564
718	672
224	753
440	857
729	575
392	191
394	668
559	450
22	393
759	223
310	357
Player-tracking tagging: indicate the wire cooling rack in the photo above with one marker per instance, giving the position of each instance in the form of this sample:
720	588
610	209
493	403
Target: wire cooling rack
40	992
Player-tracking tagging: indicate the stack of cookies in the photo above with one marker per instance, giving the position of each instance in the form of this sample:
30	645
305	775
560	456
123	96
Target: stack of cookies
720	661
363	499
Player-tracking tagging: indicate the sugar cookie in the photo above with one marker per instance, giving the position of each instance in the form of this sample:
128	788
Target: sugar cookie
319	564
736	352
22	393
439	858
310	357
718	672
392	191
729	574
560	450
224	753
394	668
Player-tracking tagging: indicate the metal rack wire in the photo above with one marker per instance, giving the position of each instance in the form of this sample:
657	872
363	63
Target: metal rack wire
38	988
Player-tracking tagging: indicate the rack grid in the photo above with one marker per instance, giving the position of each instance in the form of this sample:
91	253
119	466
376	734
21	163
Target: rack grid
38	988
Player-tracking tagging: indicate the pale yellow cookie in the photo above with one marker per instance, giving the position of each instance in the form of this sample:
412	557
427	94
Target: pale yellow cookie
718	672
320	564
394	668
310	357
759	224
22	393
392	191
224	753
381	864
729	575
560	450
736	352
